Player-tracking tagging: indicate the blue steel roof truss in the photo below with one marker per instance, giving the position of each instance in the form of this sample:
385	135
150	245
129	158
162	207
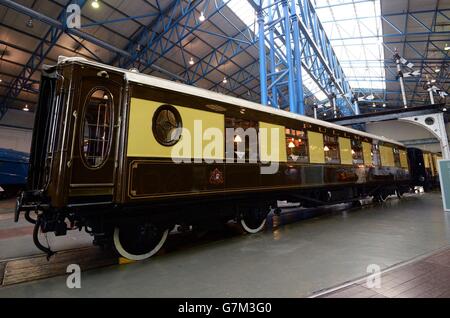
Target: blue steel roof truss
294	45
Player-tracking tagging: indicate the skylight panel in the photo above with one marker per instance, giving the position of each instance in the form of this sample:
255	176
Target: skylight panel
355	32
245	12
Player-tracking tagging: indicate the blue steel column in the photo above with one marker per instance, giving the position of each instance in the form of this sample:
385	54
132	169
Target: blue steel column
287	22
298	61
274	102
262	58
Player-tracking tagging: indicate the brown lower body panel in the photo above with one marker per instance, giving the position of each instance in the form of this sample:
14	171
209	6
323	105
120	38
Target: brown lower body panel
149	179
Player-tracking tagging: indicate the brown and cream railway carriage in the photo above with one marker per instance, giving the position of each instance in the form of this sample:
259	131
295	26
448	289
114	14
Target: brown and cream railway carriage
432	170
424	169
103	158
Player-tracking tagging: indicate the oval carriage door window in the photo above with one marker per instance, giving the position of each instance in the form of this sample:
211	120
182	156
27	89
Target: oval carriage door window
97	132
167	125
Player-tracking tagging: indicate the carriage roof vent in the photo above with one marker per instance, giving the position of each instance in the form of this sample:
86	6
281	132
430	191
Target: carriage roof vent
103	74
63	59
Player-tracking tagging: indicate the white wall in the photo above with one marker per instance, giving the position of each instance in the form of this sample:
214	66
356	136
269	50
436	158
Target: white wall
17	139
15	130
403	131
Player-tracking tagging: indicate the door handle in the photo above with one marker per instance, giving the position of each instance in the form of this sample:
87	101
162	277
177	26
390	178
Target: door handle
116	155
75	115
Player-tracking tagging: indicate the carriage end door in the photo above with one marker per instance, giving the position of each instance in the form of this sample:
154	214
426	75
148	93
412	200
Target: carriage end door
96	129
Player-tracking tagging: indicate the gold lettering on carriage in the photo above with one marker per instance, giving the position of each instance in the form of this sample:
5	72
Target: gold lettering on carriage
241	146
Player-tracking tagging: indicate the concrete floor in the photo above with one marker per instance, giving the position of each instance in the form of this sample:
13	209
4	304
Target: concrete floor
290	260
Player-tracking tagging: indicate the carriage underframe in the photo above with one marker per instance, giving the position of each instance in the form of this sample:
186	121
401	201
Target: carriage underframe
138	231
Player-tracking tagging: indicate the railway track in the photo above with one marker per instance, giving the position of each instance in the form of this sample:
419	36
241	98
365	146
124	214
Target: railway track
27	269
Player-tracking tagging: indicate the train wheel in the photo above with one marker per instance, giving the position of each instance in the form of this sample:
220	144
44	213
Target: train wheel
139	241
356	204
380	197
253	220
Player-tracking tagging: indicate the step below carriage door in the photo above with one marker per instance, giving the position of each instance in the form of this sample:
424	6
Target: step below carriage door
94	151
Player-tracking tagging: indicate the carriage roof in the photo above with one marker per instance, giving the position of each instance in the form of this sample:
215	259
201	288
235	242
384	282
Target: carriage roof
139	78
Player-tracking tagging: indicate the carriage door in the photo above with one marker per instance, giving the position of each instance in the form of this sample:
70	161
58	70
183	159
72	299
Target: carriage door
95	139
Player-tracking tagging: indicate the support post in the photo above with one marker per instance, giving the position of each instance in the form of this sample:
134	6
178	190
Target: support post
444	137
430	90
333	102
287	30
400	78
298	60
262	58
356	107
273	66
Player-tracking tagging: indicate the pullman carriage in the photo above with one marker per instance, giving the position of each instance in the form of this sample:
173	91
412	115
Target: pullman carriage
128	156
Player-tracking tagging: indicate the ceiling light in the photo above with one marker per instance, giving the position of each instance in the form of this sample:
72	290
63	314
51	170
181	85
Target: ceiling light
1	80
326	148
444	109
225	80
191	61
95	4
291	145
237	139
202	17
373	105
384	105
437	70
433	81
447	47
26	109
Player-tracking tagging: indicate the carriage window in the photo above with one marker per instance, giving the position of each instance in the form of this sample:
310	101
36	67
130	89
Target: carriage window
247	140
167	125
376	156
357	152
297	145
397	157
403	159
331	148
98	117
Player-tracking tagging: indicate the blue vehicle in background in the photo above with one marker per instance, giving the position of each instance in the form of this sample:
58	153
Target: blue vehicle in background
13	172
